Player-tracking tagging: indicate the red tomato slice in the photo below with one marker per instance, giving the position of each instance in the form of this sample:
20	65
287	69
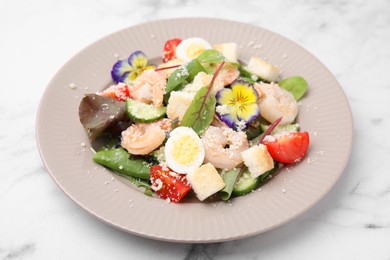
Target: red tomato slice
289	148
169	184
169	52
119	92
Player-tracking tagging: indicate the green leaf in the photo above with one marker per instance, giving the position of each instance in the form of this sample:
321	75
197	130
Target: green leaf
99	114
139	183
296	85
210	56
229	178
194	67
246	75
183	74
253	130
243	72
136	181
200	113
178	88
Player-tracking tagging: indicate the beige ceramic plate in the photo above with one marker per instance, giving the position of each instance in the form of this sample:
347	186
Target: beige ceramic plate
324	113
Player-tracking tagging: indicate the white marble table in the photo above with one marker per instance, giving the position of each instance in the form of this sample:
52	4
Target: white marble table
38	221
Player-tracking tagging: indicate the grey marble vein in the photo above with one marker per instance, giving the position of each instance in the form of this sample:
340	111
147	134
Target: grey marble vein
20	252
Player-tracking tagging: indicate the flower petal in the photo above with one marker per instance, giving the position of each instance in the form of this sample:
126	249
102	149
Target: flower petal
225	97
124	77
119	69
244	92
248	112
149	67
229	119
132	75
138	60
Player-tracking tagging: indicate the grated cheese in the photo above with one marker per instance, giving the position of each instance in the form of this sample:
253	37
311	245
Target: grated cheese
72	86
157	185
222	109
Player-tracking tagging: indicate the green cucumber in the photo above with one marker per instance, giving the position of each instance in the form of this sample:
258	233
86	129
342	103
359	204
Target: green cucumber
245	184
144	113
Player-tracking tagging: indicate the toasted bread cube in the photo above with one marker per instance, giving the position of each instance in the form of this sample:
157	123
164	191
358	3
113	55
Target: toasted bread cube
263	69
258	160
229	50
178	104
205	181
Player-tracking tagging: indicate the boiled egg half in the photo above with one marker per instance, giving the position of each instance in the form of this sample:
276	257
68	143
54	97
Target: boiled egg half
184	151
191	48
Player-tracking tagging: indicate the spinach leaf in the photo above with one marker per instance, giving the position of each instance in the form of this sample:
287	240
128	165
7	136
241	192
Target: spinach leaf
229	178
296	85
183	74
244	72
98	114
210	56
200	113
245	75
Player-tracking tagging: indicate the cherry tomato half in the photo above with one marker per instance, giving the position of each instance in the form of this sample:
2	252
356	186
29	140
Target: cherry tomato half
289	148
169	52
168	184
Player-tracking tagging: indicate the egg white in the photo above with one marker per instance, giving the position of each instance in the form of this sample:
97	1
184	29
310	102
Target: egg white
177	135
195	45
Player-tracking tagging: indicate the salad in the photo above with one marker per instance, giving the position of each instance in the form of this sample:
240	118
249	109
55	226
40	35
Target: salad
200	122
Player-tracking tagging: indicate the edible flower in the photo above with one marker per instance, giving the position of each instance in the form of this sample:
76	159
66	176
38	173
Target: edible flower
237	106
129	69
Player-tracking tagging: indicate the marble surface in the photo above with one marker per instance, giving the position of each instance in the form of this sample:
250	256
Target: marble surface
351	37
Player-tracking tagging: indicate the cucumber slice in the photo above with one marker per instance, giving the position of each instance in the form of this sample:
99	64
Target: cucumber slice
245	184
144	113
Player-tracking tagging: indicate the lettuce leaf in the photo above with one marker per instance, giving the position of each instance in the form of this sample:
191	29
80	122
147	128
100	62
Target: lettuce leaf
99	114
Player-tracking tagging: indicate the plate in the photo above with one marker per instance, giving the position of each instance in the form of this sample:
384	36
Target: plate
63	144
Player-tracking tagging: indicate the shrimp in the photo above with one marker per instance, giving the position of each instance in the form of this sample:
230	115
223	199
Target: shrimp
217	122
275	102
223	147
228	74
165	124
149	87
142	139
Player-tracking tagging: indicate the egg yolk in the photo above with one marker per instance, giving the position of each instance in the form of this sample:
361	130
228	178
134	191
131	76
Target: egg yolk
194	50
185	150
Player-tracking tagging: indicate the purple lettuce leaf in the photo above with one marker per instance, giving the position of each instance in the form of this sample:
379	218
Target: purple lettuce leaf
99	114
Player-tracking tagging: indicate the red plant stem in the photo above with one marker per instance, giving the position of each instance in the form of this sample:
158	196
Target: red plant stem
209	90
214	77
270	129
167	68
242	168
